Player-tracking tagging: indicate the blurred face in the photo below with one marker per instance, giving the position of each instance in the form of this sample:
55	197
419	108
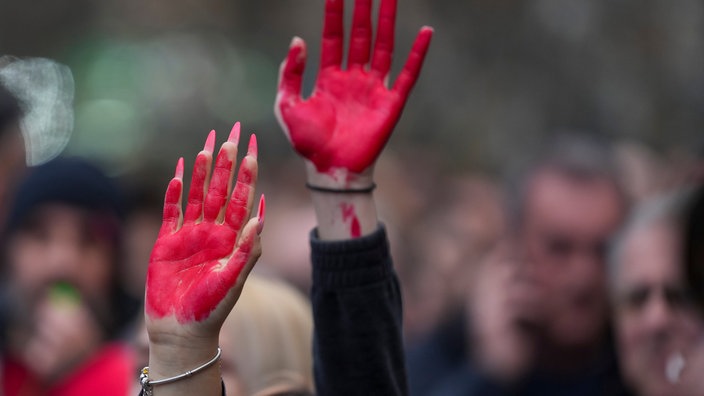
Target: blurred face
59	243
655	324
567	223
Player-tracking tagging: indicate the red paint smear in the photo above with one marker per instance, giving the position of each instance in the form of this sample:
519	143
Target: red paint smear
349	215
186	277
217	192
210	142
261	214
194	206
351	113
346	122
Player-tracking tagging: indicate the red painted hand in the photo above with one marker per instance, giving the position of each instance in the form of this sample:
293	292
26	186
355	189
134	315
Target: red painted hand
351	113
200	260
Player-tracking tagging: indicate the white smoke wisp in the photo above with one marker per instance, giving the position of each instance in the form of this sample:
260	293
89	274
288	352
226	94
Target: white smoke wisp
45	90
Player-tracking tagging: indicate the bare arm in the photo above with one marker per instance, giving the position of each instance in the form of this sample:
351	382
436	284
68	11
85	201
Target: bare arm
339	131
342	127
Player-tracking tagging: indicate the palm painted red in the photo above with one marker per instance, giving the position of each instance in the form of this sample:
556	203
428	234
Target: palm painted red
349	117
198	259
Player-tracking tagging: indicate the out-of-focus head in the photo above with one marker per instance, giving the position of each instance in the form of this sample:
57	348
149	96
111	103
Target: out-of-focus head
267	341
12	151
656	325
567	205
64	228
694	245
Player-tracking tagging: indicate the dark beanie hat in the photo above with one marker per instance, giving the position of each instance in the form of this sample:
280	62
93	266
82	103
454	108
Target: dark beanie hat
72	181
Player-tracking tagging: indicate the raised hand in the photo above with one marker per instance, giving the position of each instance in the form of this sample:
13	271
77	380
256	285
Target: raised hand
343	126
201	259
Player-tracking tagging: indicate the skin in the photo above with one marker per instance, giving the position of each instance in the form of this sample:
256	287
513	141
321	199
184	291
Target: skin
67	334
653	317
349	217
199	265
505	293
179	341
342	127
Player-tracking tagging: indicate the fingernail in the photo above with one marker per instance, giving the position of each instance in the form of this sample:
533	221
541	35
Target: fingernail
179	169
235	133
252	149
260	214
295	41
210	142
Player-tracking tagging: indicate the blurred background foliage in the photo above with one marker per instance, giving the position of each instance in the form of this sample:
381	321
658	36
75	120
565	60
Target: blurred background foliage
152	77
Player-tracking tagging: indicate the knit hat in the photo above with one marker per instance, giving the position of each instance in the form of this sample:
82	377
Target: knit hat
72	181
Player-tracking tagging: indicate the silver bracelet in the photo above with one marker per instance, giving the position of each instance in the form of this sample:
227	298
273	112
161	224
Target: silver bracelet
147	384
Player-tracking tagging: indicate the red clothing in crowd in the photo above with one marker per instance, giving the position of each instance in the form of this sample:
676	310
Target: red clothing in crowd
110	372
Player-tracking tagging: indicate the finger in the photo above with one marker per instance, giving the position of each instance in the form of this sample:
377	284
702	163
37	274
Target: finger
246	254
290	81
384	45
261	212
409	74
172	202
291	70
239	207
199	181
221	181
361	34
333	31
246	251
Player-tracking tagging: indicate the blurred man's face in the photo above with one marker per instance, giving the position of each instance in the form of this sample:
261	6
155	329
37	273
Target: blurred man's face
567	223
655	324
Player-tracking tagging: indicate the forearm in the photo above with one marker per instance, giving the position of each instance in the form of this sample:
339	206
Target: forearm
198	267
347	214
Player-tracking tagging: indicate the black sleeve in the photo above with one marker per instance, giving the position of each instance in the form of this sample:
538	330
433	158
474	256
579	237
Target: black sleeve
222	387
357	345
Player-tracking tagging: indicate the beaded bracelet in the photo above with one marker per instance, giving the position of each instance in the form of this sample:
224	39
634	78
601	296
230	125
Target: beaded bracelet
147	384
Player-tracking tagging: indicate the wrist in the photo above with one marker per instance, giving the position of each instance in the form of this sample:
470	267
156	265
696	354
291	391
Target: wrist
343	201
178	370
174	353
167	360
339	178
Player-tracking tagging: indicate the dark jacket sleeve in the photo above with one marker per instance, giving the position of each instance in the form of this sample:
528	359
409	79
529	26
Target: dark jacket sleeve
357	345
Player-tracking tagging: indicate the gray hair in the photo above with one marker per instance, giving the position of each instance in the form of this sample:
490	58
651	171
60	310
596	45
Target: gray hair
573	154
669	209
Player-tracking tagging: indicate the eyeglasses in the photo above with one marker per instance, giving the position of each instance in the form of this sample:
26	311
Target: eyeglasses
637	297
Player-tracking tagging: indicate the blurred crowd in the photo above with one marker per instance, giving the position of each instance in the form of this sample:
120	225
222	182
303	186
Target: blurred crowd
555	268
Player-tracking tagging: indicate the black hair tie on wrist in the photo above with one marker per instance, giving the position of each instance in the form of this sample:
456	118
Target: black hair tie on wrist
364	190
